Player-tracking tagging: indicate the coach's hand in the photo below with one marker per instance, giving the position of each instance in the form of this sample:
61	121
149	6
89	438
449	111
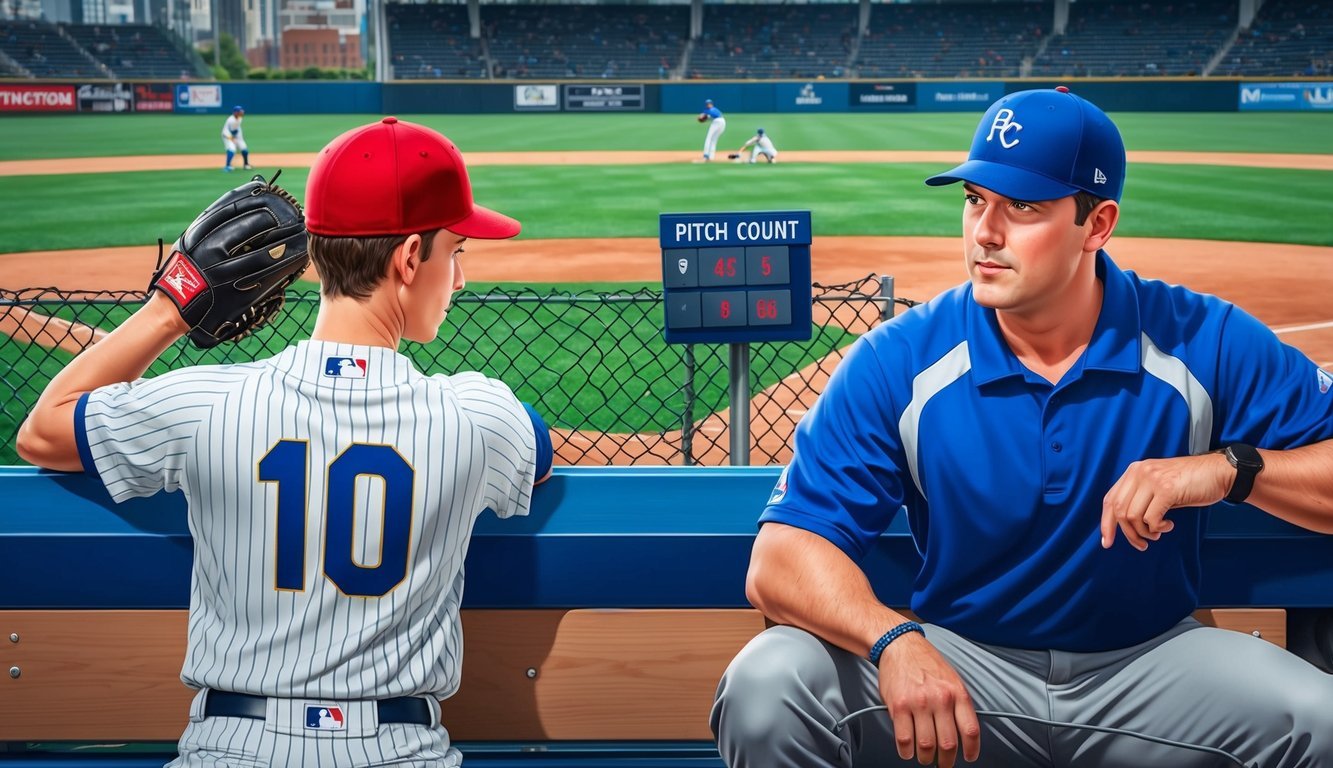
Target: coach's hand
931	710
1140	499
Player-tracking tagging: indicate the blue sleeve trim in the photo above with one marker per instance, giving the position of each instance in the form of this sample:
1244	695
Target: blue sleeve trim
836	536
545	453
81	437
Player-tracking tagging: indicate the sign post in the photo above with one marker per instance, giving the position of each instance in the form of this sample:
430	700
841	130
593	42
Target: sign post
736	278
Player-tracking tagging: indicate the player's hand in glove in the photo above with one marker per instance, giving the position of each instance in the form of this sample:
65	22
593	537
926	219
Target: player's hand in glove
229	269
703	118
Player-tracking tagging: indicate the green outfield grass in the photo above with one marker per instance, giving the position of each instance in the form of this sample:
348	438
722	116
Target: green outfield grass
1209	202
108	135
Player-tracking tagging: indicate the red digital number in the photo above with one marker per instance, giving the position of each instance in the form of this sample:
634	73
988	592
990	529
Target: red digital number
765	267
725	267
725	309
766	309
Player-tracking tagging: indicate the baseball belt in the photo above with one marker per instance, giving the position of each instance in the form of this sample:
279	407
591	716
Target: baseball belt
407	710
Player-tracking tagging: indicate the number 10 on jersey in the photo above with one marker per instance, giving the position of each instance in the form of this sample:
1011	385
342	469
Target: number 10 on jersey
287	465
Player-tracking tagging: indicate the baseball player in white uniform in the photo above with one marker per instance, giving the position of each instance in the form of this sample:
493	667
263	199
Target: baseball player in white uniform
233	138
760	144
332	489
716	125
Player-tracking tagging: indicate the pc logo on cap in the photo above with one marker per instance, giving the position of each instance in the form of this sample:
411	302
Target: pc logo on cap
1043	145
393	177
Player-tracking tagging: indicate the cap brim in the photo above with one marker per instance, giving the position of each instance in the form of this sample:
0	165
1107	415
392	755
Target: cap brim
485	224
1013	183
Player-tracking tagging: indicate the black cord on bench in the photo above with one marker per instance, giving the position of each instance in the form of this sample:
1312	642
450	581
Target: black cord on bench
1058	724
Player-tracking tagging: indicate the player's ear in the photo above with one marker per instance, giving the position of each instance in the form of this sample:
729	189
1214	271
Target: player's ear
406	259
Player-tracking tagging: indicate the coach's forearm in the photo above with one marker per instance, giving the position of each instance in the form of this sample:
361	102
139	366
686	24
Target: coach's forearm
1297	486
801	579
46	437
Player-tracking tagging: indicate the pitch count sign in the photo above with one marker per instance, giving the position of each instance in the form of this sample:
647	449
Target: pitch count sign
736	277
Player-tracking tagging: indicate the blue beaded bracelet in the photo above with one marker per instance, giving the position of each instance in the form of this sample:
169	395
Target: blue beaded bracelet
877	649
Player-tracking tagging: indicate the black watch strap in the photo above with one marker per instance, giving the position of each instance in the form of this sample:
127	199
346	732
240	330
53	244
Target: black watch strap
1248	464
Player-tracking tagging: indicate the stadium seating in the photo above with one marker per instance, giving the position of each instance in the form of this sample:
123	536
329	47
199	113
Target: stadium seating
585	41
1107	39
1287	37
431	41
955	40
774	41
132	50
43	51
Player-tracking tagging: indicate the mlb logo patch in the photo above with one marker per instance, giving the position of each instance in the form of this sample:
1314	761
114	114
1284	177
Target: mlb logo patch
345	367
319	717
1325	381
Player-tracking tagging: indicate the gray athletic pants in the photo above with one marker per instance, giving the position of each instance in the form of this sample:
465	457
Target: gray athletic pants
780	698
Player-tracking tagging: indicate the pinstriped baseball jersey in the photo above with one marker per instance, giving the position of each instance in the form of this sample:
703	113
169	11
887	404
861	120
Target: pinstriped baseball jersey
332	492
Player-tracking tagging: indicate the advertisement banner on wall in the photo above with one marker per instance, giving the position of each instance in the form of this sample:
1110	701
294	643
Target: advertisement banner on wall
958	97
529	97
198	98
603	98
811	96
105	97
1286	97
883	97
37	98
153	97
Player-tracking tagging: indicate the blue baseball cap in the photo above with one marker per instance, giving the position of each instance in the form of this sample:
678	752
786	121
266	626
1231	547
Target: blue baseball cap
1043	145
238	108
708	101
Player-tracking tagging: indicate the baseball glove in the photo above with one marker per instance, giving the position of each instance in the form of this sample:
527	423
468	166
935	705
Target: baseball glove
228	270
733	155
703	118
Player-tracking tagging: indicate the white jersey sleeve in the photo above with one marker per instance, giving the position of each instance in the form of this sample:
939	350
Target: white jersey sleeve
506	432
137	436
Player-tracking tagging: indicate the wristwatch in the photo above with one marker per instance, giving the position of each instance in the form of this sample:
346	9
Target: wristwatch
1248	463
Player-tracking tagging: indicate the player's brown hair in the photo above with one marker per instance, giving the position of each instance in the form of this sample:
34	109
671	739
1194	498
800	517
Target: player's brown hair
353	266
1084	202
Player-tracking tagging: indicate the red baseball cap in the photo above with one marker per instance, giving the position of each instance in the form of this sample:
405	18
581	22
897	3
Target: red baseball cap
396	178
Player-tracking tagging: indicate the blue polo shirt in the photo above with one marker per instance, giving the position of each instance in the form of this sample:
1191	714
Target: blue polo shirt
1003	474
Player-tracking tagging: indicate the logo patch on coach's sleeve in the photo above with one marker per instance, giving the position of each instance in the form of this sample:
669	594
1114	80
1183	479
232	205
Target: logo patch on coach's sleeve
780	490
345	367
181	279
321	717
1325	380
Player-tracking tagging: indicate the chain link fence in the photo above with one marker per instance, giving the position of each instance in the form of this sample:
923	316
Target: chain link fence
593	363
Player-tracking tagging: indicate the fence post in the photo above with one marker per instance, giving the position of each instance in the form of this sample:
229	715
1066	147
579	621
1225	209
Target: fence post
886	307
740	405
687	427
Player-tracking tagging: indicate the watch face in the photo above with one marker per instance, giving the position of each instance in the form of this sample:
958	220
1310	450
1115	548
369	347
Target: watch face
1245	457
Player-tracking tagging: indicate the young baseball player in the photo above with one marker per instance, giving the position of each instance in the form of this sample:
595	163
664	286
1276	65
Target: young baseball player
1056	428
760	144
233	138
716	125
332	488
